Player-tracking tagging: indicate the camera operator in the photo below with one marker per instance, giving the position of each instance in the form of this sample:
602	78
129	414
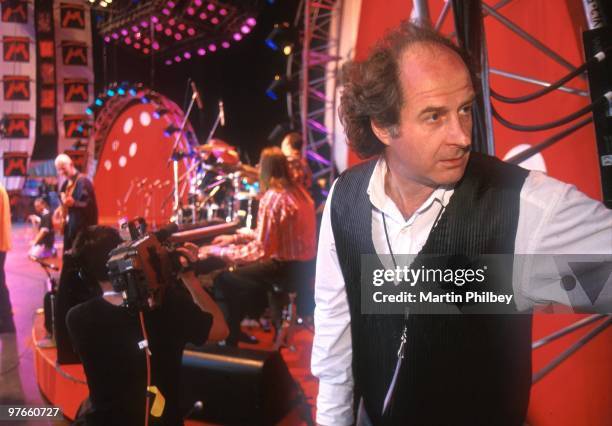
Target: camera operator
107	334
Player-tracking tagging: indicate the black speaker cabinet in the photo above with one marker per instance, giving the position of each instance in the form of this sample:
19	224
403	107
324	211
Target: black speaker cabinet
236	386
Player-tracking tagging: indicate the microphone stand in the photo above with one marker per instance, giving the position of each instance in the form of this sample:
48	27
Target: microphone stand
175	156
214	127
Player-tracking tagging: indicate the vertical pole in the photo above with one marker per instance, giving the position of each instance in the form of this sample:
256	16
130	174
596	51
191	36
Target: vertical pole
305	63
420	13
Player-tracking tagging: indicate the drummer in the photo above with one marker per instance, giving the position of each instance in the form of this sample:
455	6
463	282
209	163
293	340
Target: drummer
282	244
298	166
299	171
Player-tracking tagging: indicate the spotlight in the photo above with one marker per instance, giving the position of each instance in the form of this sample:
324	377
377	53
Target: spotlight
82	127
133	89
283	37
99	102
159	113
89	110
279	85
272	41
170	130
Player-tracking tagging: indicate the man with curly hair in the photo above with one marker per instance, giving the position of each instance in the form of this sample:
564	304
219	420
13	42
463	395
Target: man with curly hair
409	105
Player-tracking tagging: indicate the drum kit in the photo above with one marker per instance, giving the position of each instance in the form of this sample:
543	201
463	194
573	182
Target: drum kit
220	187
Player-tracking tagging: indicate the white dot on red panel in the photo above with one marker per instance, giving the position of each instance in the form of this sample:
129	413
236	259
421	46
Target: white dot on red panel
115	145
133	149
127	125
122	161
145	118
108	165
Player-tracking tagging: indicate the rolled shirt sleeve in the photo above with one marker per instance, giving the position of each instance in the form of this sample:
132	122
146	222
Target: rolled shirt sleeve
558	219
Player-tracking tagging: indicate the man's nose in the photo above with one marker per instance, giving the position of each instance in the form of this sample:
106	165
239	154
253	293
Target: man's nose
460	132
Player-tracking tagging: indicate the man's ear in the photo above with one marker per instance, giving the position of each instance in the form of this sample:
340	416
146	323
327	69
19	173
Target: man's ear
383	134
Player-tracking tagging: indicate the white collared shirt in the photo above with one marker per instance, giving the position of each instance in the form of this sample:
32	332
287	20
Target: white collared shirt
555	218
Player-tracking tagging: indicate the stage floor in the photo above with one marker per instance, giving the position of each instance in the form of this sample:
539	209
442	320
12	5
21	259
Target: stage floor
18	381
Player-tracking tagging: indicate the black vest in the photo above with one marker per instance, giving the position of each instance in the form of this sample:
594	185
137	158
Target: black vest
458	369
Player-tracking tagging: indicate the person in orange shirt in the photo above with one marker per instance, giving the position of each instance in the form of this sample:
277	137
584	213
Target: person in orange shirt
6	312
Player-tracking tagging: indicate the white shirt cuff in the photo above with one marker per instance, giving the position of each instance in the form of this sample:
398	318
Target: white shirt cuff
335	405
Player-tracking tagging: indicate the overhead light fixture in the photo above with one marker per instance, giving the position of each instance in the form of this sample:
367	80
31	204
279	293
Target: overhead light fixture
273	39
279	86
283	37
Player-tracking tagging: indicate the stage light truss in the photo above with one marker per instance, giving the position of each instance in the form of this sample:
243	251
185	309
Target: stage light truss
318	77
114	98
179	30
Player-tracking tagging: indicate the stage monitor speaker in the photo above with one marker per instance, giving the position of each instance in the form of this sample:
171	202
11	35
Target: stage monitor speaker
236	386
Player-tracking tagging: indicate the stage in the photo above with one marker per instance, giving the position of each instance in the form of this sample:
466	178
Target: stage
30	375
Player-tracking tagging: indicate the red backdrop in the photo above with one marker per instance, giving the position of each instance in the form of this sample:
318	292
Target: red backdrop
578	391
134	177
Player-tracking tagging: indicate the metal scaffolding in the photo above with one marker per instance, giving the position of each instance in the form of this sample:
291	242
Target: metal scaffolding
317	98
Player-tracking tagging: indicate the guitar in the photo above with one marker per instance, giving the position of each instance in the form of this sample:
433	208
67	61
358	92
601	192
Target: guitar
61	213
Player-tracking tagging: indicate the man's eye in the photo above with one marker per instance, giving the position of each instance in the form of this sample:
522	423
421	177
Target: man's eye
433	117
467	109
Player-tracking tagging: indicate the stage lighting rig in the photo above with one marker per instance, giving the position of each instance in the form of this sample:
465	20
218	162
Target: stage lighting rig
283	37
178	30
279	86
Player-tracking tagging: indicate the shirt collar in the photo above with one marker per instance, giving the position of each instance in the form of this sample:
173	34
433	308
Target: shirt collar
381	201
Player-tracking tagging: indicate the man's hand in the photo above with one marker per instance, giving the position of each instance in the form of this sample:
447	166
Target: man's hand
68	201
188	254
224	240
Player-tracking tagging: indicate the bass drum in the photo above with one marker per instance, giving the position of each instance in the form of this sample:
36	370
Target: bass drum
134	176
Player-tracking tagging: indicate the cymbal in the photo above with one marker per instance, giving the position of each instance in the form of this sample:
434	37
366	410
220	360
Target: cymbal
224	154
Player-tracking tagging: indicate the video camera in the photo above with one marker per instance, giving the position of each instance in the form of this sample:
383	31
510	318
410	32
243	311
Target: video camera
144	267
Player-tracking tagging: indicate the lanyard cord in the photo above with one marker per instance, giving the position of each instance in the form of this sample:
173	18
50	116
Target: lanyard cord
402	347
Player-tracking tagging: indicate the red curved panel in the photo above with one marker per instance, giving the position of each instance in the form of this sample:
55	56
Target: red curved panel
134	174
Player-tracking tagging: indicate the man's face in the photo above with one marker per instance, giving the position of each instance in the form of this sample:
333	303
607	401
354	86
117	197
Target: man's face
64	169
39	207
432	141
286	147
